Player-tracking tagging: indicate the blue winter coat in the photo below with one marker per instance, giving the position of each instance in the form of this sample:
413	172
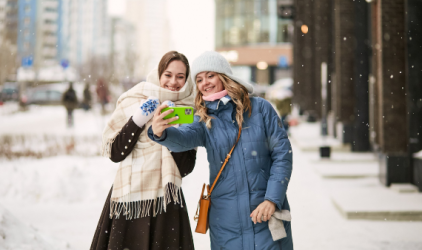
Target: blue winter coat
259	169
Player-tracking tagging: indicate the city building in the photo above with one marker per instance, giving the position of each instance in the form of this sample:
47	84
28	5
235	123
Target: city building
123	51
3	4
373	54
38	32
8	39
153	37
85	31
255	36
9	21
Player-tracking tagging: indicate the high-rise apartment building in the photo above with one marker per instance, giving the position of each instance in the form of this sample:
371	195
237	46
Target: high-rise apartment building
152	33
85	30
38	32
2	18
123	48
9	21
52	31
8	39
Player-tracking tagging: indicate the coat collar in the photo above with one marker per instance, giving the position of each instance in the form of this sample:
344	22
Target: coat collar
215	104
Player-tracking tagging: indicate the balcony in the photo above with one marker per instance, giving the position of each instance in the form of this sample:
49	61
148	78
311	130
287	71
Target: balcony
47	15
50	27
50	40
49	52
50	4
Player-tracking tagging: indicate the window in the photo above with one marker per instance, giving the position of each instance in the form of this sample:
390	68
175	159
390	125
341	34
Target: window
284	31
241	22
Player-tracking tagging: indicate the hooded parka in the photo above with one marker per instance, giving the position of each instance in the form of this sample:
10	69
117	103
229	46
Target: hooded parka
259	169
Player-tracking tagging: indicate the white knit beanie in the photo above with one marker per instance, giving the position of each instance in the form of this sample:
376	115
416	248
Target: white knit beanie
215	62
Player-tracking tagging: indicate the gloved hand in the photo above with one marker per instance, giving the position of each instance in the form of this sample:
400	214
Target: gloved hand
171	104
146	111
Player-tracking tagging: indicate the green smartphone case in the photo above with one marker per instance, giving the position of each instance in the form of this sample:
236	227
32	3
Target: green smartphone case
185	114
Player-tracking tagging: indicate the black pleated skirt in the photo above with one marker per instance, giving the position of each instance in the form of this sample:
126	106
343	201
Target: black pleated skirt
169	230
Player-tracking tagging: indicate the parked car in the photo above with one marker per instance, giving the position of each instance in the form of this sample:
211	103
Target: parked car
9	92
51	94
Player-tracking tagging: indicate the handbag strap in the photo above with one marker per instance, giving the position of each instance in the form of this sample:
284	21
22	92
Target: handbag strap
225	162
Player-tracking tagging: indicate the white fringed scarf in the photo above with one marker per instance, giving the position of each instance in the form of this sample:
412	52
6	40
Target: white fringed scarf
148	176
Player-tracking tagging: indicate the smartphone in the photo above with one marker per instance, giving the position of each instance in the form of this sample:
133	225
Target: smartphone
185	114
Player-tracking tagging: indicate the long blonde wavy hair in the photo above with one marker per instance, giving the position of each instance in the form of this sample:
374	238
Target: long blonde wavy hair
236	91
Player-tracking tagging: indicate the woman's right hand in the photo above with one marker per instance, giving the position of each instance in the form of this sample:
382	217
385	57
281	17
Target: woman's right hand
158	122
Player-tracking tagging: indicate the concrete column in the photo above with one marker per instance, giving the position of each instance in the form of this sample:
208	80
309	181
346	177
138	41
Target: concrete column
390	74
414	80
360	141
414	72
322	48
344	62
393	111
303	51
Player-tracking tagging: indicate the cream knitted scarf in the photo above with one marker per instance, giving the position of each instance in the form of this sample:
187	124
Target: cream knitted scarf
148	177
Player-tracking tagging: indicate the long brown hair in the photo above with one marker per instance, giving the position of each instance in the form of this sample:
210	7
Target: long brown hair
236	91
170	57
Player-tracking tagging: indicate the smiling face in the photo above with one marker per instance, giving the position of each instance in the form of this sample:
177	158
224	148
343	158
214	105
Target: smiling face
174	76
208	83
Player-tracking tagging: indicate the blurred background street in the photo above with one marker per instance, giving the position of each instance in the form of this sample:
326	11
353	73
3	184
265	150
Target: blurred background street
345	76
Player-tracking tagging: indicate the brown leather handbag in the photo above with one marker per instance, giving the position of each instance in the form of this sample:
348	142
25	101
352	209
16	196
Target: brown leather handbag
201	216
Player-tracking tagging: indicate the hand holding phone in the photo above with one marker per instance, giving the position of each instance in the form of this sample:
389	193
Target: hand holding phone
185	115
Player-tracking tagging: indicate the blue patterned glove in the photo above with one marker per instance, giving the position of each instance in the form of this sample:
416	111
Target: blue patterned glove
146	111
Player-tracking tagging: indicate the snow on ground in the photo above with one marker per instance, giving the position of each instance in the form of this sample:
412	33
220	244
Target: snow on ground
18	236
63	197
52	120
317	224
60	196
58	200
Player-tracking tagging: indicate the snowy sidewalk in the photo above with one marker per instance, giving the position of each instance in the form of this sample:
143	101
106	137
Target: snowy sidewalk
358	194
42	131
60	198
52	120
307	137
48	200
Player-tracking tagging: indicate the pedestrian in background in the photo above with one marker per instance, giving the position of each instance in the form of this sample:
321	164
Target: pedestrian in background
70	101
86	103
145	208
280	94
253	185
284	107
102	93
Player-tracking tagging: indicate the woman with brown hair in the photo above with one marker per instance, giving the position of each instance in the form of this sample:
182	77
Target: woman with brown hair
145	208
249	208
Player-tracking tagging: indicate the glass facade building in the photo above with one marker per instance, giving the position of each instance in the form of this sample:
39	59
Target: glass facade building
250	22
255	36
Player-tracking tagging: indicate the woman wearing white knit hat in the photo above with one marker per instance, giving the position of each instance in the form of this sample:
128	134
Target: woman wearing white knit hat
249	208
145	208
